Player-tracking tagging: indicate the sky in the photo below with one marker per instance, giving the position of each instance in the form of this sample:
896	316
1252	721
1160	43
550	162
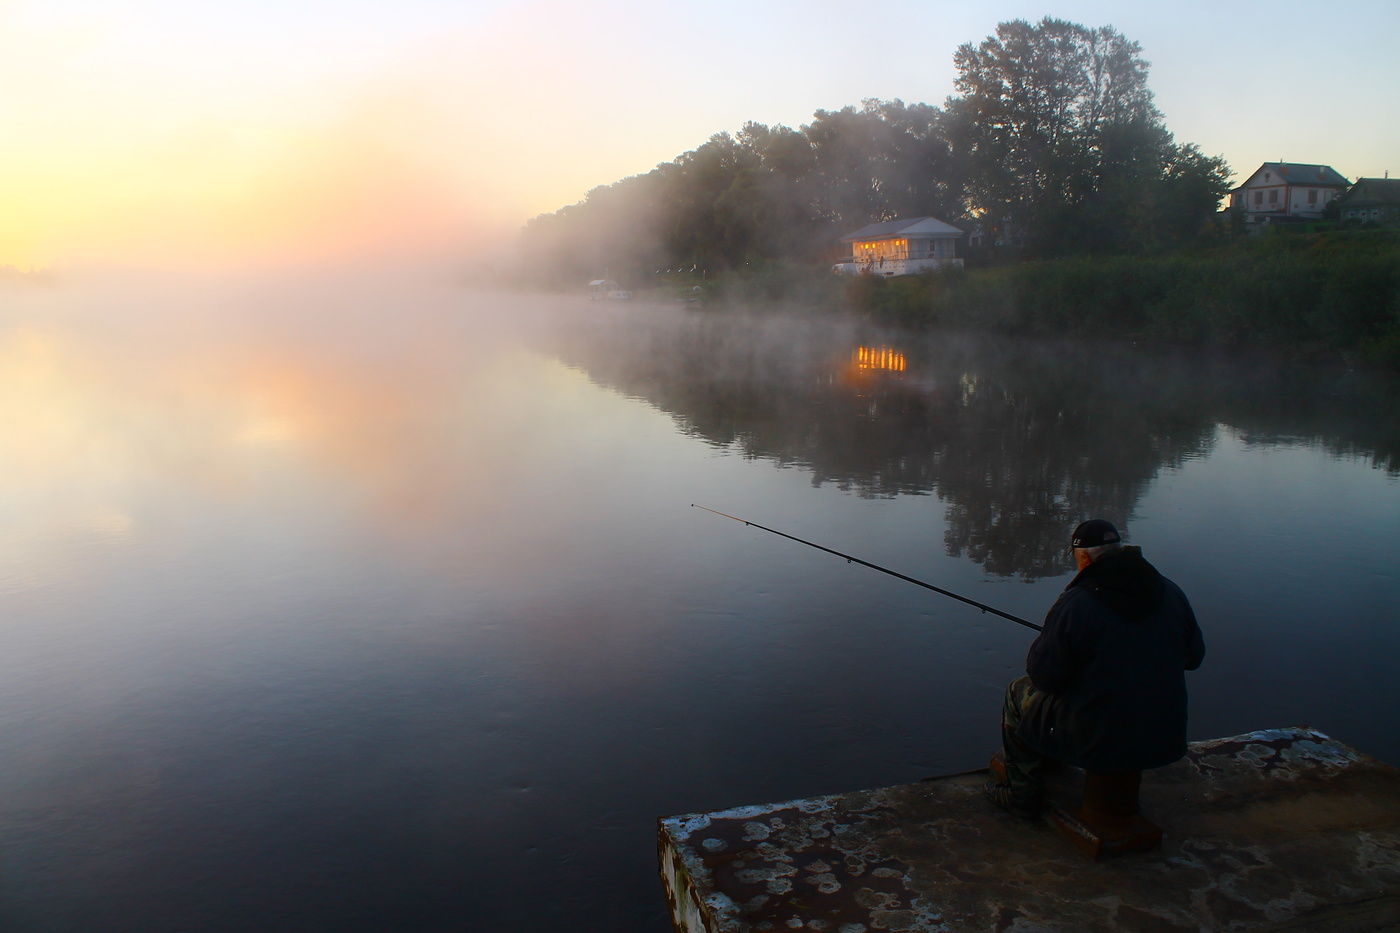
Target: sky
221	134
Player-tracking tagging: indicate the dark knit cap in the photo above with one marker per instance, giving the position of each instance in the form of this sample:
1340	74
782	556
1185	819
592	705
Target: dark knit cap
1094	533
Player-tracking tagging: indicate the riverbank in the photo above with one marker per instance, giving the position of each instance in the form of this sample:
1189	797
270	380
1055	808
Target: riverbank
1322	293
1334	294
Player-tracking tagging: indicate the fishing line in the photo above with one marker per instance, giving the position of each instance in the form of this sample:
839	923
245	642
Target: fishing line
865	563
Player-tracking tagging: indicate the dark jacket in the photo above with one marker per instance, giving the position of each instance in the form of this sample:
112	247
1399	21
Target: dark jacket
1110	664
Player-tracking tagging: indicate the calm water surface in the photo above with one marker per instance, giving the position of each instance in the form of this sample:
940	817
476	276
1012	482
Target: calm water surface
372	606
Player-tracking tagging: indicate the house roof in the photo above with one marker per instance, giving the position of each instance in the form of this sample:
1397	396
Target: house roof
1299	173
1372	192
917	226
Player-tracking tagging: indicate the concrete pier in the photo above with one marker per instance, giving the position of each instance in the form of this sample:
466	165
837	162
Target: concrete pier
1283	829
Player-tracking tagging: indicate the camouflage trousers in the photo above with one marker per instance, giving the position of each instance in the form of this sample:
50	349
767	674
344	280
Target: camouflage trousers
1024	765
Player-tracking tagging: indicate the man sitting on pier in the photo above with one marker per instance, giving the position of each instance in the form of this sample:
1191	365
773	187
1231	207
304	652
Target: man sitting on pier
1106	688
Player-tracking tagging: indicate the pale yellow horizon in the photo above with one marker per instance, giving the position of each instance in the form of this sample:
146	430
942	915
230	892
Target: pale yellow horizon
153	133
112	161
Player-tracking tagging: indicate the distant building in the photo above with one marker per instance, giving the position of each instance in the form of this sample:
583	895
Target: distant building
607	288
901	247
1280	191
1371	199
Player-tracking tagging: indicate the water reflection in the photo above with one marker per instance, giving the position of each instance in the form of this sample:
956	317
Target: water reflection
332	607
1021	441
116	418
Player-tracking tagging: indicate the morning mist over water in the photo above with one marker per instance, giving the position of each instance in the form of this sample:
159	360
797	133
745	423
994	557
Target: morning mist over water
359	602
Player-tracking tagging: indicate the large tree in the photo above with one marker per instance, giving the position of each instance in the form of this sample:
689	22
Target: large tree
1052	144
1063	146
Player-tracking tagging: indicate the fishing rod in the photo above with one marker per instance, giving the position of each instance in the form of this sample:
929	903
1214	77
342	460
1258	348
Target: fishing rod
865	563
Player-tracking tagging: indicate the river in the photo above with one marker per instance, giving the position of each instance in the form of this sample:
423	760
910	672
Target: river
355	604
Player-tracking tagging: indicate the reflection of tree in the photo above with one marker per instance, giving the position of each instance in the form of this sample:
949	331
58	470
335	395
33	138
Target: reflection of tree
1351	414
1021	441
1048	441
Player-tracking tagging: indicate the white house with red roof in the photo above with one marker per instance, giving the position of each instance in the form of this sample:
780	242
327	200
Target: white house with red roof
901	247
1287	190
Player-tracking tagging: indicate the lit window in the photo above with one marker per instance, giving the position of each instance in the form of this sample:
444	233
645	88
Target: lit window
880	358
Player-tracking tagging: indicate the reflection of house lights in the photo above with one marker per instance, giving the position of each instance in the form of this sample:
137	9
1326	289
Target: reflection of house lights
880	358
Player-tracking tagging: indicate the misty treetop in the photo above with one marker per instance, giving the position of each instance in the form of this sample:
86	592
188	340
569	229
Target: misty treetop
1052	145
1064	147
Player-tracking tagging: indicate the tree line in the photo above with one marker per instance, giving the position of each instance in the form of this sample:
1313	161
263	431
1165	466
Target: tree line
1051	146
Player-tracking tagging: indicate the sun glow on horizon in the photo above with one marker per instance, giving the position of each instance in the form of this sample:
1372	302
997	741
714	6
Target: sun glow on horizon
219	193
119	158
162	133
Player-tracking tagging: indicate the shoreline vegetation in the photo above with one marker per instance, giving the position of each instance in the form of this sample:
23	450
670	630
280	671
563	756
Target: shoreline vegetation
1327	295
1332	295
1090	219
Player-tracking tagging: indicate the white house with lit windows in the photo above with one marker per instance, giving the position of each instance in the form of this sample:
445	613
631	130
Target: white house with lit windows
901	247
1287	190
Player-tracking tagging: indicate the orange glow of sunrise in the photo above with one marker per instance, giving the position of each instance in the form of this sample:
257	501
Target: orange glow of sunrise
205	200
136	142
115	157
97	428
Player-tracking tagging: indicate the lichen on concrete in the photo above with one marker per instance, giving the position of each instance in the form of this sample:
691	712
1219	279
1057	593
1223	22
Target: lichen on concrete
1282	828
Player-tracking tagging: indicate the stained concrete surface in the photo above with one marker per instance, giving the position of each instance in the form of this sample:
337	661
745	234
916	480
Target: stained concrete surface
1282	829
